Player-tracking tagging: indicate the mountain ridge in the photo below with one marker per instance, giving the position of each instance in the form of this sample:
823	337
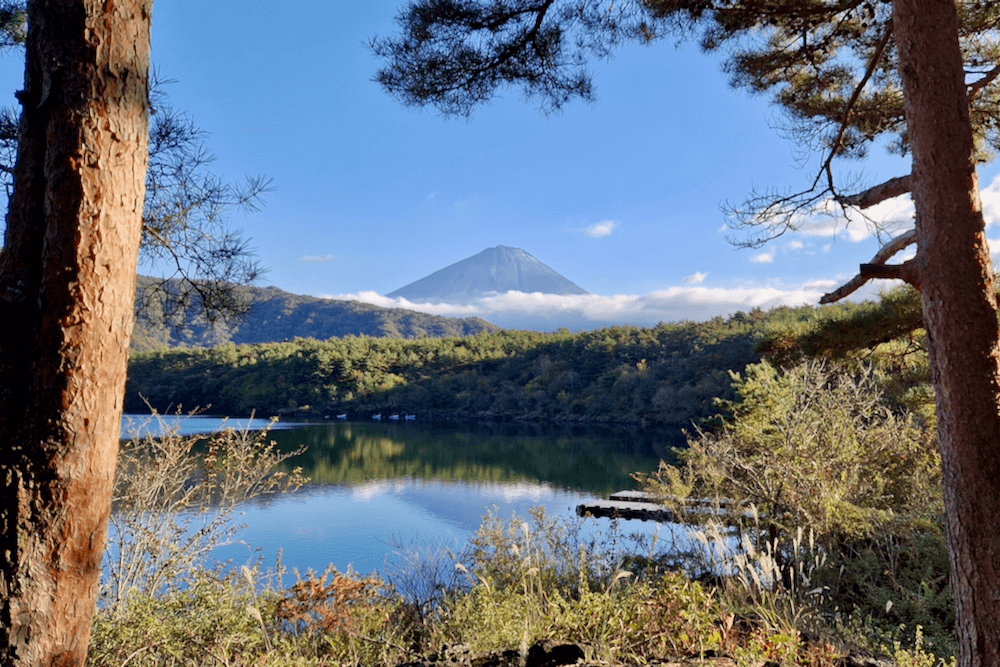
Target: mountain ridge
277	315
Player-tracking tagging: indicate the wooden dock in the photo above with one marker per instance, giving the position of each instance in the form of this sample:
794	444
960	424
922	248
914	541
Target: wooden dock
628	505
640	505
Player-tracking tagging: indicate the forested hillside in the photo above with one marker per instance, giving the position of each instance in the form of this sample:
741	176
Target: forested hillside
669	374
276	315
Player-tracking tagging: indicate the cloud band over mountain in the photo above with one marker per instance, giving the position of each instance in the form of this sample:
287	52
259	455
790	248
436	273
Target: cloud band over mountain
511	289
548	312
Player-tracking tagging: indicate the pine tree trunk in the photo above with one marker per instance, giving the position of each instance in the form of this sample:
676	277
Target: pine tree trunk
67	277
959	309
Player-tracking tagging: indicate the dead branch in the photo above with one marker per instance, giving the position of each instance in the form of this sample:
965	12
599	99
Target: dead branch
777	213
877	268
987	79
855	96
880	193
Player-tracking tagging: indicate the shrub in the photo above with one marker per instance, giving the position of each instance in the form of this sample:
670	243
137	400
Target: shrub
344	618
810	447
207	622
816	449
541	579
174	501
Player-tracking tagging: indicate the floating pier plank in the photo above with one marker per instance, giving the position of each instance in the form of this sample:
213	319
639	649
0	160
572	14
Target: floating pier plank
632	497
628	505
640	505
621	509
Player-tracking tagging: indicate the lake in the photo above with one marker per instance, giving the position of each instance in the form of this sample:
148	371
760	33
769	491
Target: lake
376	487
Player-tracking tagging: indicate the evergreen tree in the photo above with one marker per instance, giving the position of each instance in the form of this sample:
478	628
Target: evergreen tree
67	285
919	75
184	212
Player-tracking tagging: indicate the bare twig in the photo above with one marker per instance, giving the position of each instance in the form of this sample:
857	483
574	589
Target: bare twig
855	94
777	213
172	505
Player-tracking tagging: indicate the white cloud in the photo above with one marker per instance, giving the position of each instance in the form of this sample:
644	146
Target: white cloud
601	229
994	246
796	245
445	309
548	312
824	285
827	220
314	258
763	258
990	196
696	278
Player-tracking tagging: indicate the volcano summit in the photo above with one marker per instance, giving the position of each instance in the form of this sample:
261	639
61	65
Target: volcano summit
493	271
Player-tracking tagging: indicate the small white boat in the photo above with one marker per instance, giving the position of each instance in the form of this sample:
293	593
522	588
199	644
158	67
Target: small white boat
342	416
394	418
377	417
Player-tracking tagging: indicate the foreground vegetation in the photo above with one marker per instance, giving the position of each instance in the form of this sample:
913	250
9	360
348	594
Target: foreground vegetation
522	585
519	584
819	534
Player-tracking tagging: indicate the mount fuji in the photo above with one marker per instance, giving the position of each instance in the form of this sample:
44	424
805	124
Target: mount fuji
493	271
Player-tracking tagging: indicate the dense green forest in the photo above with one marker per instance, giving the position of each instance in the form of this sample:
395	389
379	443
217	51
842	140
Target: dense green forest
668	374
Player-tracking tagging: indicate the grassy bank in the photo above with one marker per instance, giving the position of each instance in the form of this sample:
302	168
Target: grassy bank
738	589
519	583
823	536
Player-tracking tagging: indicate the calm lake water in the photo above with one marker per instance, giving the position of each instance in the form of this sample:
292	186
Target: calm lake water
376	487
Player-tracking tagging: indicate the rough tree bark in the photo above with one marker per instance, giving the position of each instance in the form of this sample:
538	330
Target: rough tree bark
952	269
67	284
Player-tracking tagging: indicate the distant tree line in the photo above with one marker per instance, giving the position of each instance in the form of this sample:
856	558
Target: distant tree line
668	374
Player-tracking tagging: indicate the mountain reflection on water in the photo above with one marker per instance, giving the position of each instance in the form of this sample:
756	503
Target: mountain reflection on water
378	486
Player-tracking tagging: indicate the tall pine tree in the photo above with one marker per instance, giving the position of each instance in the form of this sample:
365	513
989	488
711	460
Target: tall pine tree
919	76
67	286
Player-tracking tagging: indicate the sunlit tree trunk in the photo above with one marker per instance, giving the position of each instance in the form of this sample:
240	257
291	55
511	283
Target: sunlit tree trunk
952	267
67	279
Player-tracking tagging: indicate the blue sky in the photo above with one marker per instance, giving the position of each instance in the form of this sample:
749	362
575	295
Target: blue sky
622	196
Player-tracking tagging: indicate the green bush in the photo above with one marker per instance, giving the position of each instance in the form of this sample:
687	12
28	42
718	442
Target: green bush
668	617
174	501
817	449
208	622
812	447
